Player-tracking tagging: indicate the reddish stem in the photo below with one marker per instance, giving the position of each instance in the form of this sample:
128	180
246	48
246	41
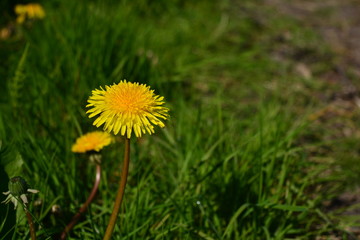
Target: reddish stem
77	216
120	193
31	225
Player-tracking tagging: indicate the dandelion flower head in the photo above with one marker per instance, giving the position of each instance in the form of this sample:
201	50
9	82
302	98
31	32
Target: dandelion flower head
31	11
93	141
127	107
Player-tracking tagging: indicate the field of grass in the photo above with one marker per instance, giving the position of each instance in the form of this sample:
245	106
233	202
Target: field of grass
233	159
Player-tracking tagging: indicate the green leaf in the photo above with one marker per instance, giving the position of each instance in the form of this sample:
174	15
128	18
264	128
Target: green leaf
290	208
10	160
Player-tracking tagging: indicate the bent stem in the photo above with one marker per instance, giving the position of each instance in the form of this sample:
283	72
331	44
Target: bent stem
77	216
31	224
120	193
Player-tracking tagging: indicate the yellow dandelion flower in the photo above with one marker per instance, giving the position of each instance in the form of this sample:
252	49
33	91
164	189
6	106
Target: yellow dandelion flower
35	10
93	141
31	10
127	107
21	18
20	9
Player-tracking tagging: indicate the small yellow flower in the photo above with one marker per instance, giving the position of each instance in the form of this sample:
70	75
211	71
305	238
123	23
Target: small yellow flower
35	10
31	11
127	107
93	141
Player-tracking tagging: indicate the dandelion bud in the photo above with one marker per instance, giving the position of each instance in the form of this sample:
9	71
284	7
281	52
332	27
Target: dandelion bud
18	186
18	189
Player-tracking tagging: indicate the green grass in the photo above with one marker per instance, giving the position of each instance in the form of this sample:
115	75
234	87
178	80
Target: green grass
230	163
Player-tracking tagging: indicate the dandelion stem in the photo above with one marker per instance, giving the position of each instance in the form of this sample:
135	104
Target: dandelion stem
120	193
31	224
77	216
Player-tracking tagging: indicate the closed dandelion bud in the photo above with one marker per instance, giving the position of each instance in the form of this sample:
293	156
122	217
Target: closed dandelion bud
18	189
18	186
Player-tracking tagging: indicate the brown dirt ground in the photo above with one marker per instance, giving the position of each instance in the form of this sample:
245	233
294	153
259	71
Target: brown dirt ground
338	24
